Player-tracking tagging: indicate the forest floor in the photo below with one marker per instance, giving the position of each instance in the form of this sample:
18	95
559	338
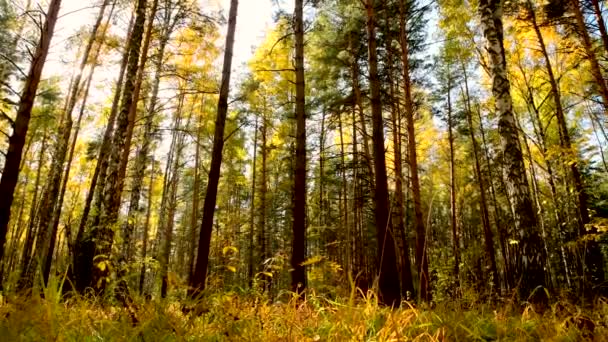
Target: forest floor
233	317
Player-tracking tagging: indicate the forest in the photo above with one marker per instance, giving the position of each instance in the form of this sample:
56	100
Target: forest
303	170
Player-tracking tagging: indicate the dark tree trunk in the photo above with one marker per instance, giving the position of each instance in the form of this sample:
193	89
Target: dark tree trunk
263	254
31	230
196	194
197	283
298	274
571	155
167	237
103	234
250	263
10	174
398	213
142	156
483	204
146	228
422	264
390	291
453	215
102	161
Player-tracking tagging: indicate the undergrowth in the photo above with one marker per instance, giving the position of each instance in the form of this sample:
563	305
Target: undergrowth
248	317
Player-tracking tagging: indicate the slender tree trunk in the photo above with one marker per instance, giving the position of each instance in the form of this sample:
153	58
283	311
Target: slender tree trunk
398	209
31	230
146	228
14	238
566	144
197	283
250	263
453	222
571	155
10	174
140	162
263	191
502	230
298	275
388	275
172	199
359	104
103	233
102	157
483	206
541	136
58	209
196	189
357	204
529	257
539	206
422	265
344	209
321	225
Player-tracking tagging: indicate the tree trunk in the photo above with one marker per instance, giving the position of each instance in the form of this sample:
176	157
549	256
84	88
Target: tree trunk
529	257
483	206
344	208
103	233
453	222
398	207
593	260
357	204
59	206
263	192
14	238
197	283
196	194
422	265
31	230
146	228
388	282
298	275
142	156
102	158
250	263
359	105
172	198
10	174
571	155
500	228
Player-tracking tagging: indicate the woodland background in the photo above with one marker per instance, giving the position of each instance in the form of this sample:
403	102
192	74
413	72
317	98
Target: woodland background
429	151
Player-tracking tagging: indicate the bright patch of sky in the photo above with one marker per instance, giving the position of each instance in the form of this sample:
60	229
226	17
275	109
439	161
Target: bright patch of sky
254	19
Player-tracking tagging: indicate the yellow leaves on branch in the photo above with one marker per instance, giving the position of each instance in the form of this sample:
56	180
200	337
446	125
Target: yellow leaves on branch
229	249
312	260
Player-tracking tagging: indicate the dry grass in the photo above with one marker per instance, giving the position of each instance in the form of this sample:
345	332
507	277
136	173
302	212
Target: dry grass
232	317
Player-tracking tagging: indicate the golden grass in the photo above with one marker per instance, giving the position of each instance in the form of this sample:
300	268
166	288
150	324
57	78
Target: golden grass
232	317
